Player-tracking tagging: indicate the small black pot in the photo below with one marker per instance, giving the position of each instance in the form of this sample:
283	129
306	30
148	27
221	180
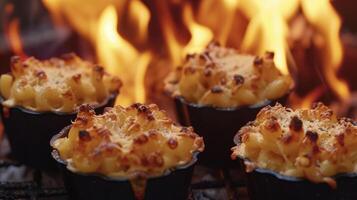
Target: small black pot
217	126
172	185
29	132
265	184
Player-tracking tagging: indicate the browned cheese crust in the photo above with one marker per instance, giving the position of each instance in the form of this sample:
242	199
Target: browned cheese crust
221	77
57	84
139	140
309	143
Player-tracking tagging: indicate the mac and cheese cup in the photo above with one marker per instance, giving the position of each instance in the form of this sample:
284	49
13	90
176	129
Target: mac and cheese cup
127	153
219	90
39	98
299	154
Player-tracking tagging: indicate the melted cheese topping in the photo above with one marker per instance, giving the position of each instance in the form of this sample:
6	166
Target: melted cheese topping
127	142
222	77
57	84
308	143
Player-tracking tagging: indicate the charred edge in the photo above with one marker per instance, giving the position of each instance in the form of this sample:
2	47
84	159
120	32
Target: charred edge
312	136
86	108
269	55
258	61
141	139
41	75
77	78
189	56
295	124
238	79
84	135
216	89
272	124
172	143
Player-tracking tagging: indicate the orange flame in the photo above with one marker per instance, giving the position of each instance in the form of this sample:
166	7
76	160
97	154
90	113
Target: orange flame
98	23
12	31
307	100
120	57
200	35
15	38
267	30
317	13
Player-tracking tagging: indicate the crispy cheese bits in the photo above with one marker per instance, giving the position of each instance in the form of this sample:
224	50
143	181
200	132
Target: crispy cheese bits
139	140
306	143
57	84
221	77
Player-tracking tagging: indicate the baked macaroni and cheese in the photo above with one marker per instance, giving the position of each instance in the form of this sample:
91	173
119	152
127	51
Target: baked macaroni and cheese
221	77
306	143
57	84
139	140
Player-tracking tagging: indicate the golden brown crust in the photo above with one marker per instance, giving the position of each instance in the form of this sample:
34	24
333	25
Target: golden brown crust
126	142
222	77
310	143
56	84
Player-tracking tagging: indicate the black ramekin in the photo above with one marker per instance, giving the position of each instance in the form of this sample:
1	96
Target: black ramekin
264	184
29	132
172	185
218	126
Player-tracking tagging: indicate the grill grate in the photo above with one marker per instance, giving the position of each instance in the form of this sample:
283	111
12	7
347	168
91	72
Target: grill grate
207	184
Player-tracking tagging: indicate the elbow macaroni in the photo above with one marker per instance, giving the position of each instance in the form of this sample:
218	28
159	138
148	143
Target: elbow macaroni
311	144
221	77
57	84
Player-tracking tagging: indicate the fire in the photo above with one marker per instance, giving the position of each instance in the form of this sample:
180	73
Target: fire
307	100
200	35
263	25
99	24
140	16
268	28
316	13
121	57
15	38
12	31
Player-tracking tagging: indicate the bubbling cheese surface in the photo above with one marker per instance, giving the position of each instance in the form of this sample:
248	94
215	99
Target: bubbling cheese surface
139	140
57	84
221	77
307	143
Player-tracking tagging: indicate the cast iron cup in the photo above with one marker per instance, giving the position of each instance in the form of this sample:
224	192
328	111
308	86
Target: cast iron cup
217	126
172	185
264	184
29	132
